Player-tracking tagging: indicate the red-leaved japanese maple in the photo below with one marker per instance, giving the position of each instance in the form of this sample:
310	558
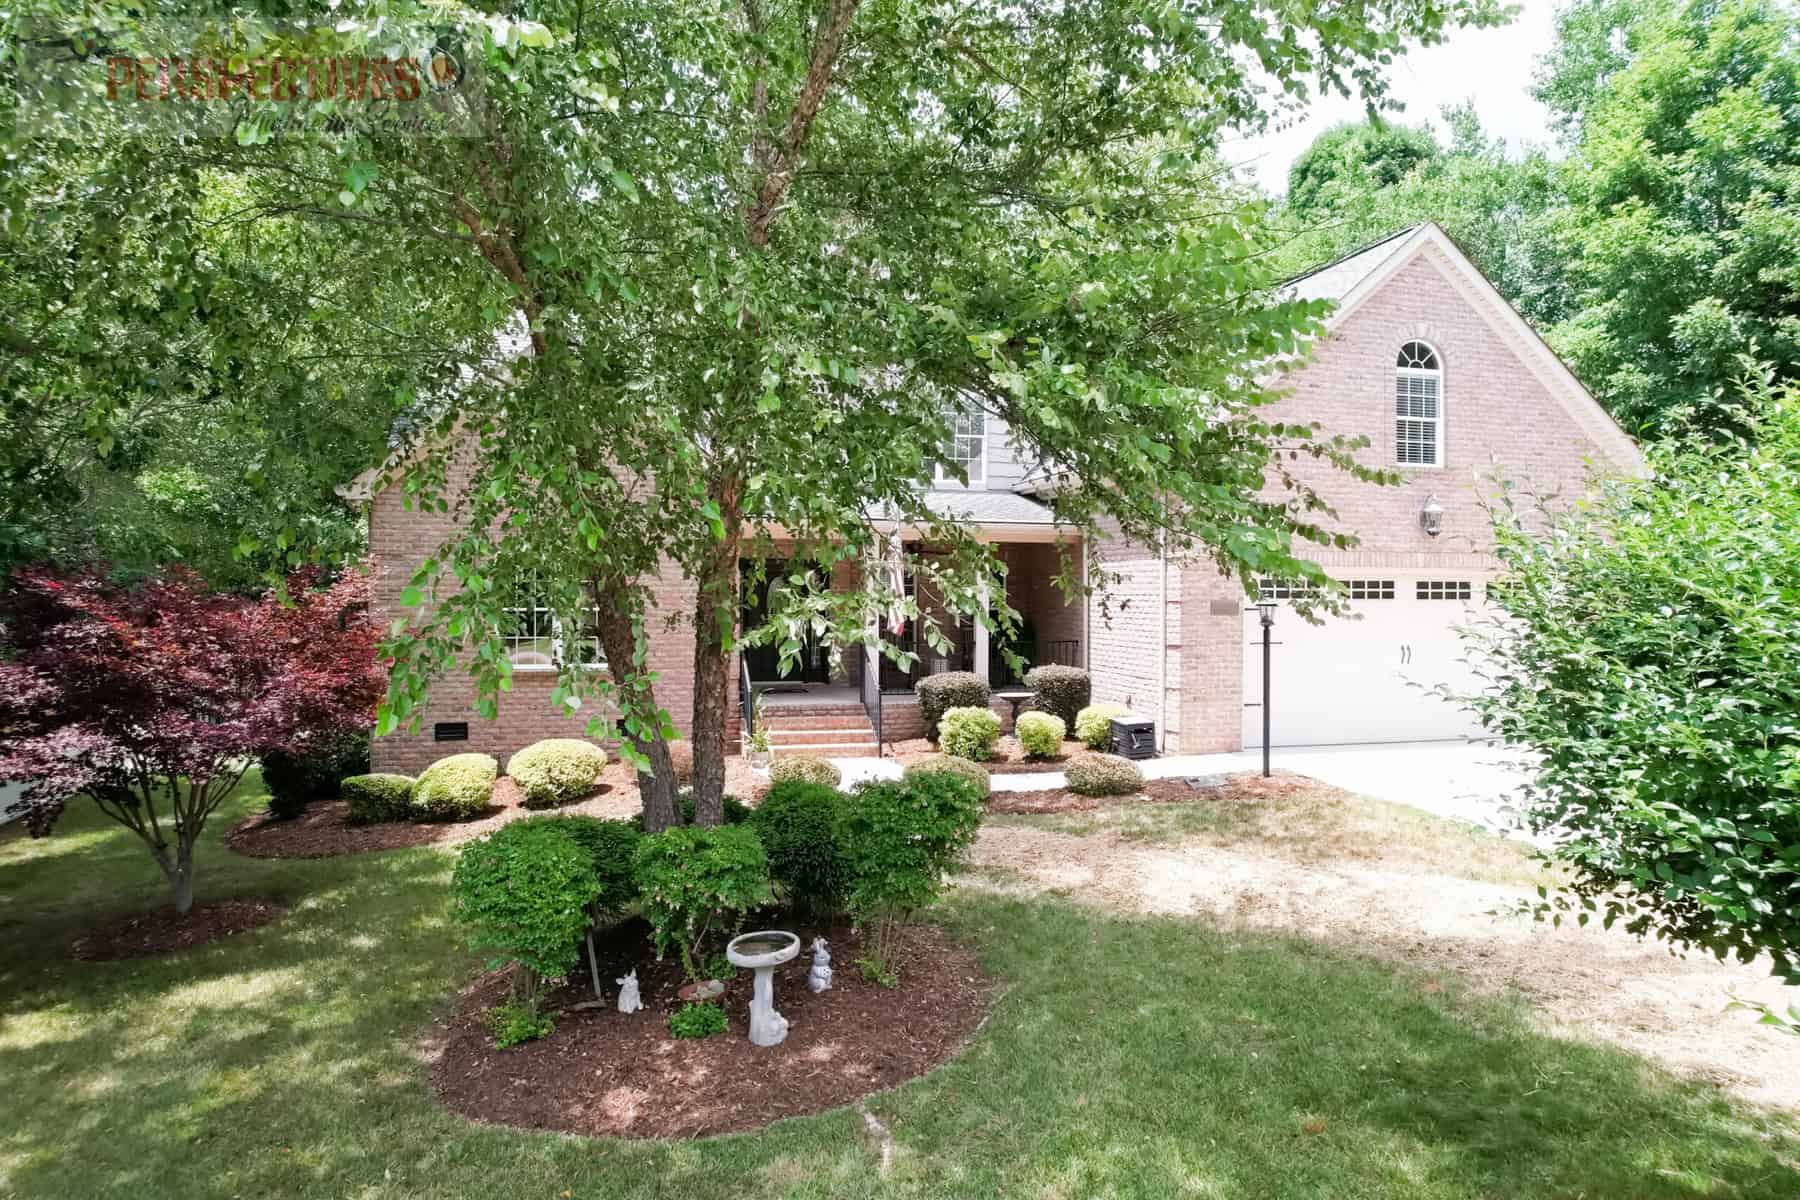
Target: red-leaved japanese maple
155	699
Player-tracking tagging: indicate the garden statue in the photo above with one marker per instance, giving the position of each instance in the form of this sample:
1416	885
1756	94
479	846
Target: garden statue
762	952
628	992
818	979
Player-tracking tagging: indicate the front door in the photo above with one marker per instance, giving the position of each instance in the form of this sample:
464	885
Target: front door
759	599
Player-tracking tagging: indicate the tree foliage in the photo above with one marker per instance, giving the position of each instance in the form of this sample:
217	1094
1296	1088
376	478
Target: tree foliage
1659	249
154	699
1645	652
1680	221
709	276
1356	158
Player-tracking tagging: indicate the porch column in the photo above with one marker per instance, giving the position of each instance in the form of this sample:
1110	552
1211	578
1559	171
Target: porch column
981	631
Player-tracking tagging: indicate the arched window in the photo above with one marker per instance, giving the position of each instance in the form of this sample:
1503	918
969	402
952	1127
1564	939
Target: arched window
1418	407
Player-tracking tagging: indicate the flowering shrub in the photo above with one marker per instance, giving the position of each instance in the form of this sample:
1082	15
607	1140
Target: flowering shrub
1103	775
1093	724
556	771
969	733
1040	734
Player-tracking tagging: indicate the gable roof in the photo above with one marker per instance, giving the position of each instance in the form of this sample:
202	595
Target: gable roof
1352	279
1336	278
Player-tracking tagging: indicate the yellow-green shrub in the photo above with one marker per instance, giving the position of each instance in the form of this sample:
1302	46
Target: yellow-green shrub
969	732
556	771
455	787
1093	724
1040	734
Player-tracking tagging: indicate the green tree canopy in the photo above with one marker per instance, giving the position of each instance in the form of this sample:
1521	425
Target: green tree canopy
679	281
1680	218
1357	158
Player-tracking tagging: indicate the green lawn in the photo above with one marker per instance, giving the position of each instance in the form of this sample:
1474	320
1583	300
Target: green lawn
1128	1058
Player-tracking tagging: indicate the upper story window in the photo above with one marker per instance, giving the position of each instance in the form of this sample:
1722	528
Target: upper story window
968	444
1418	407
538	640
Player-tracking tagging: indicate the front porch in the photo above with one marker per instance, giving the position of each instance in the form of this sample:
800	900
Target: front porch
817	695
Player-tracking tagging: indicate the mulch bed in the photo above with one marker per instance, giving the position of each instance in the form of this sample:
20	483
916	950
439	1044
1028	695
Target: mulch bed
162	931
1009	758
324	830
608	1073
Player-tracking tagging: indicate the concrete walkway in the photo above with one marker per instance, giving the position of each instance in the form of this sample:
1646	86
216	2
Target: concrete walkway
1464	781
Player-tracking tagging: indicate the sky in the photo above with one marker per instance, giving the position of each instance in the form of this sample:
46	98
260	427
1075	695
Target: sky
1491	66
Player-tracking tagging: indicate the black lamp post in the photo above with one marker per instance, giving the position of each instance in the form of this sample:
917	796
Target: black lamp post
1266	610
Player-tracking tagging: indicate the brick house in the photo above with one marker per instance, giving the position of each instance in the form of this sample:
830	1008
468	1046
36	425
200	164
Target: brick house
1422	356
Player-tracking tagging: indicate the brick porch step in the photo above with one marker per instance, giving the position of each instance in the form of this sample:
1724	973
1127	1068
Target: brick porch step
814	737
857	719
866	749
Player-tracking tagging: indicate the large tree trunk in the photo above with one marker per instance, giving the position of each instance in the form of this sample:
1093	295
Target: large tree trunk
618	638
715	633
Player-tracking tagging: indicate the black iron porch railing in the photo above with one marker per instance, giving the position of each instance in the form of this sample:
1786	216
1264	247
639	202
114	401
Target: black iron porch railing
746	704
1061	652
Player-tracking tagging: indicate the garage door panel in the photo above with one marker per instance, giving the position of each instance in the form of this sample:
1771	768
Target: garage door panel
1368	677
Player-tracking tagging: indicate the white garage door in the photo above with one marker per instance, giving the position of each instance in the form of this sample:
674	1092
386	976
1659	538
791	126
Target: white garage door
1368	677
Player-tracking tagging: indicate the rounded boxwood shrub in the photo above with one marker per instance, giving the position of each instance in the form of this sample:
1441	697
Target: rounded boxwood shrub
1093	724
374	798
691	879
1061	691
523	894
969	733
1103	775
455	787
1040	734
938	694
808	767
556	771
797	823
612	848
944	764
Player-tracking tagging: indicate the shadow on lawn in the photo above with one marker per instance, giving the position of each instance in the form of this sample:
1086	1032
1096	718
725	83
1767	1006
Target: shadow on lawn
1136	1058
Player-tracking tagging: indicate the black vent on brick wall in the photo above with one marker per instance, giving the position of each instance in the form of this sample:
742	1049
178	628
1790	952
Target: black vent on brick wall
450	731
1134	737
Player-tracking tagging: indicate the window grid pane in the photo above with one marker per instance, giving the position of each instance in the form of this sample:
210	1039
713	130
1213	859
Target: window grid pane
1443	589
968	441
1371	589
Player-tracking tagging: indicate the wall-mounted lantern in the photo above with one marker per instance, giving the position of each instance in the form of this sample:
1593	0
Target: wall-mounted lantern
1431	517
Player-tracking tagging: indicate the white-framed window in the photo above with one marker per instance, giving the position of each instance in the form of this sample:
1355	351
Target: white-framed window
968	443
1418	407
1285	589
1442	589
539	641
1370	589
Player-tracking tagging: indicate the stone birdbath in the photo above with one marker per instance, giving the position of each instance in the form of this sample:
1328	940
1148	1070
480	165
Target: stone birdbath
762	952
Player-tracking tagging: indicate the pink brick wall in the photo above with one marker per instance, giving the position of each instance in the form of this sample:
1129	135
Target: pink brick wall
1500	416
1131	628
399	541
